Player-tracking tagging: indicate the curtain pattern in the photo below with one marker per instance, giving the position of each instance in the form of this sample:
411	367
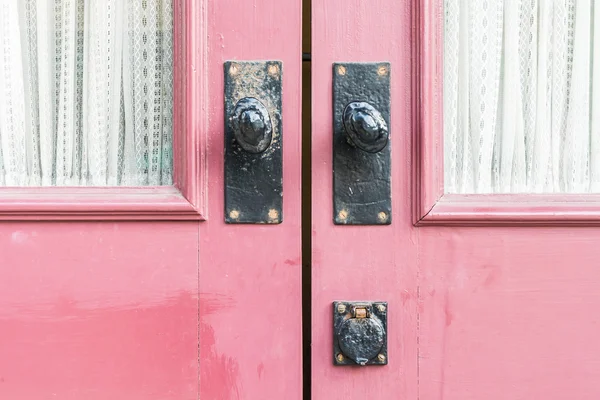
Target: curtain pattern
86	92
521	96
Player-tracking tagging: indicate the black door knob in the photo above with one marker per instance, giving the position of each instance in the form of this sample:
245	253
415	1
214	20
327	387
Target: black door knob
365	127
252	127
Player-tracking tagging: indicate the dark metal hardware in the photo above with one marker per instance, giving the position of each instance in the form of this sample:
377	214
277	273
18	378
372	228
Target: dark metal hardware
253	142
252	125
361	150
365	126
360	333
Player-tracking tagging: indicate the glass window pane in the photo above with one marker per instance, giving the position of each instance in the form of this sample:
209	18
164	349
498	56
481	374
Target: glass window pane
86	92
521	96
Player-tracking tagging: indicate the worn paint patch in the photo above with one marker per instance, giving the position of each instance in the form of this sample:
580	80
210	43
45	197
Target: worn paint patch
448	314
405	296
260	370
295	261
19	237
493	274
73	352
219	373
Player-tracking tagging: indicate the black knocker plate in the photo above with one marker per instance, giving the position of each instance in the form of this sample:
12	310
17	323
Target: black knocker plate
360	333
253	142
361	144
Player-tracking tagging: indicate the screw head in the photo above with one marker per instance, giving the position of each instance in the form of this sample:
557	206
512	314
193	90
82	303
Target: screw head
381	307
273	69
273	215
341	70
234	214
381	357
233	69
340	357
343	215
382	216
341	308
382	70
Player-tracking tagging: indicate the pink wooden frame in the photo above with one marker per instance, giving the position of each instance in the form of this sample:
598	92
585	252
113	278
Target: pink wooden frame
431	205
186	200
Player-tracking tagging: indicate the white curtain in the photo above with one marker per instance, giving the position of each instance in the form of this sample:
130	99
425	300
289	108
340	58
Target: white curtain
522	96
86	92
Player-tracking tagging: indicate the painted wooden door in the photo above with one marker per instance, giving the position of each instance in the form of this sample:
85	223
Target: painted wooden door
490	296
140	293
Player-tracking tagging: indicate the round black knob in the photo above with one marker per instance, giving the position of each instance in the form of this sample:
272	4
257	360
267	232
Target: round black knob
361	339
252	126
365	127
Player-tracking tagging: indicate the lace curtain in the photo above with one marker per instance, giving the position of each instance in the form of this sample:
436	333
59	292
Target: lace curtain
522	96
86	92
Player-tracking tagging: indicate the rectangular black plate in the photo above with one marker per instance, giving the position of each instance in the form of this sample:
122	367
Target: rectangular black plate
361	180
253	182
379	310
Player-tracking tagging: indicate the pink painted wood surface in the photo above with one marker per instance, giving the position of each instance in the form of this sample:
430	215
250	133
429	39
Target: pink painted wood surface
156	203
105	310
99	310
504	312
363	262
504	209
250	320
432	205
508	313
488	312
427	69
187	199
191	101
163	310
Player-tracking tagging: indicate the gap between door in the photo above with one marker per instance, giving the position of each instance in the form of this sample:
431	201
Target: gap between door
306	199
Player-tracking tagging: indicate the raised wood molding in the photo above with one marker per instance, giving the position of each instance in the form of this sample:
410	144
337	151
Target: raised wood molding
186	200
431	206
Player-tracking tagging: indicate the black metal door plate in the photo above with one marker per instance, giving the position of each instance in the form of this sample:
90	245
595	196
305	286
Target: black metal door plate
253	142
361	148
360	333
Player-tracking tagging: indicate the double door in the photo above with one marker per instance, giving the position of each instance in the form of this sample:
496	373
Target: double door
160	294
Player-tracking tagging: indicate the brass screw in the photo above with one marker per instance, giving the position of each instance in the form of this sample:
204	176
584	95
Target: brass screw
381	357
340	357
343	215
382	70
381	307
273	214
382	216
273	69
233	69
234	214
341	308
341	70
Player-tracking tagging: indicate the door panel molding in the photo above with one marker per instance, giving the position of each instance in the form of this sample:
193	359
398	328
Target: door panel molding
186	199
431	206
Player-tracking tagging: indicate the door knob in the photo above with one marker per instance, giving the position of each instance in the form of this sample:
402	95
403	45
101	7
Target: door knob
252	126
360	333
365	126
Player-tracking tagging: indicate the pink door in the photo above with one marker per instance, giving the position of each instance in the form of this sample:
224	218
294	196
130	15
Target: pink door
139	289
489	264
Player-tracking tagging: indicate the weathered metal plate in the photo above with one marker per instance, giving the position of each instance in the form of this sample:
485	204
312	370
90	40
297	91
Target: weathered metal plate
361	180
253	182
364	337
